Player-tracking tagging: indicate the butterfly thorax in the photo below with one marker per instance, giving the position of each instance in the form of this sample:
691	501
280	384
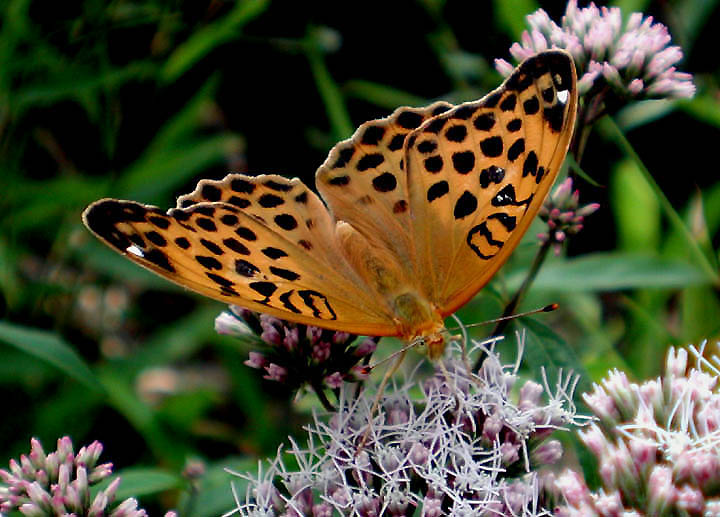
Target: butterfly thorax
417	318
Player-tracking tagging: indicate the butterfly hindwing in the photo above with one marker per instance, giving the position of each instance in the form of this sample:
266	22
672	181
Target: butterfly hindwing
478	173
283	261
364	183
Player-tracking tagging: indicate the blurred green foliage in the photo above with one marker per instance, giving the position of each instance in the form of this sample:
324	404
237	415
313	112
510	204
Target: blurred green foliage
140	100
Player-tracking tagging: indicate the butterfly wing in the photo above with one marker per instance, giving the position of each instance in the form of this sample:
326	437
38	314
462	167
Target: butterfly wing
364	183
478	173
265	243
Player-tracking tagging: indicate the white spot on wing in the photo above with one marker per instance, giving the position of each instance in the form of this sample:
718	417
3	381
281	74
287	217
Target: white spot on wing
562	96
135	251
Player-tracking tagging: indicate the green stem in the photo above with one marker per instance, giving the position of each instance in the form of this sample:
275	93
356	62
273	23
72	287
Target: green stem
322	397
520	293
670	213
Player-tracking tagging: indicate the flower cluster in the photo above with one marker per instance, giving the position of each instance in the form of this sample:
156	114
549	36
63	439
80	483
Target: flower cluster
657	444
563	214
464	447
58	484
296	354
633	60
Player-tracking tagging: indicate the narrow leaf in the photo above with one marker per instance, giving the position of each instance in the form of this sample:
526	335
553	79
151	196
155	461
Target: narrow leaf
49	347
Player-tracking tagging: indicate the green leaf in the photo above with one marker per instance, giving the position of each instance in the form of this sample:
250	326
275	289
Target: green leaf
510	15
49	347
214	496
544	349
640	113
201	42
162	172
636	209
140	481
609	127
631	6
704	107
340	123
382	95
613	271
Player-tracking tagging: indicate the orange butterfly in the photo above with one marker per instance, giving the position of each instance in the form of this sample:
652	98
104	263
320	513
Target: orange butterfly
421	209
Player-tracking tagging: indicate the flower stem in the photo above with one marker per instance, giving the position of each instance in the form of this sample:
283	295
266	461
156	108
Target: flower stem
512	305
322	397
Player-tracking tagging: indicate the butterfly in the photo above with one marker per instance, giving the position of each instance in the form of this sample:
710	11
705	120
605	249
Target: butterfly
420	211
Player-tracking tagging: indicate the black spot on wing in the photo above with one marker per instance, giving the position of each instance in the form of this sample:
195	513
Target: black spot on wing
344	157
211	247
229	220
516	149
508	221
286	222
456	133
160	222
531	105
555	116
211	192
270	201
465	205
409	119
464	112
463	161
437	190
427	146
277	186
492	174
385	182
372	135
239	202
242	186
530	164
273	253
434	164
514	125
245	268
206	224
339	181
284	273
245	233
158	258
396	142
236	246
264	288
370	161
435	126
316	302
208	262
508	103
285	300
220	280
156	238
492	147
484	122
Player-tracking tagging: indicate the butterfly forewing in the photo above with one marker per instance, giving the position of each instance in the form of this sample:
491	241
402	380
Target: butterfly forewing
285	262
478	174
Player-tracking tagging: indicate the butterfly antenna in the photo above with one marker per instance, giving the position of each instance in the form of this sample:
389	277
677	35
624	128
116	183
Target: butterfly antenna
381	389
412	344
547	308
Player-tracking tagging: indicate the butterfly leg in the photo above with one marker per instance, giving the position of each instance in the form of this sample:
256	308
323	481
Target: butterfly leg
381	389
